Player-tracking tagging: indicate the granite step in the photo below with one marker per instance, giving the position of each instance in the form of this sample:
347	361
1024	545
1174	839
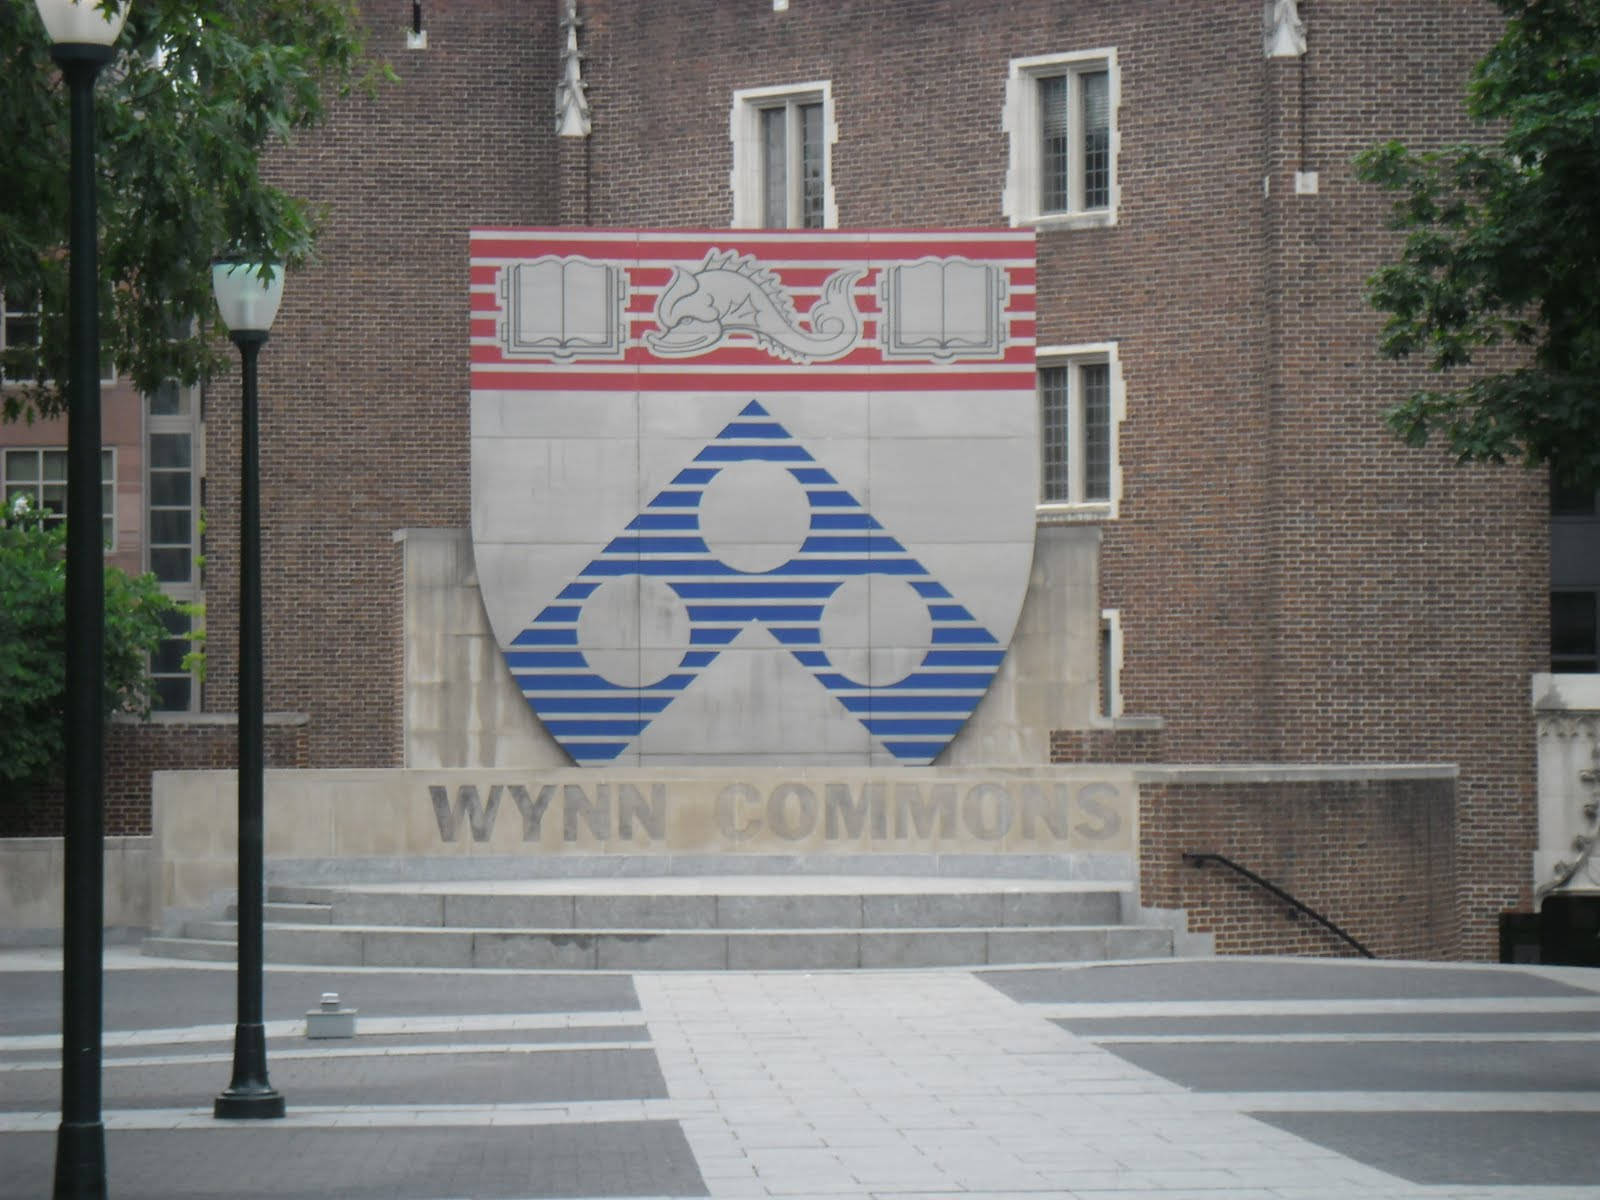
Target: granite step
749	922
678	949
289	914
716	903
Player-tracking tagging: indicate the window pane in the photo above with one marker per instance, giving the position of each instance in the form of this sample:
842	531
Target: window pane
811	158
1574	645
171	566
1095	379
169	528
21	330
22	466
168	658
169	489
1055	484
1055	145
167	400
1096	139
55	465
53	499
169	450
774	168
172	693
1106	665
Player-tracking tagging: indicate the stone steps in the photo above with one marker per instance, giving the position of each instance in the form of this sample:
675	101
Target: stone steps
689	923
679	949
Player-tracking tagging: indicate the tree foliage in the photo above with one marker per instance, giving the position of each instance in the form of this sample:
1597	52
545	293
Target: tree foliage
198	91
33	643
1502	250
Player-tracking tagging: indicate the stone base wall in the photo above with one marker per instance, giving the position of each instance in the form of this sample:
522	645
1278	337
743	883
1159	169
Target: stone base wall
32	900
166	743
1374	851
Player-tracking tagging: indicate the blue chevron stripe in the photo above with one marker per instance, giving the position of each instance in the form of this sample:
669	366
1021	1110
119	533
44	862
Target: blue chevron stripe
912	718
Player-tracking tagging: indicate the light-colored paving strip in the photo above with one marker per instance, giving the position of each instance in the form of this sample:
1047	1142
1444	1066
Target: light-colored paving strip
1438	1102
1145	1039
354	1051
1090	1010
861	1086
365	1027
379	1116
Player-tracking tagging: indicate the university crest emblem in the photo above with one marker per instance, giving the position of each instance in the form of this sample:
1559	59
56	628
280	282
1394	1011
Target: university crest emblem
753	496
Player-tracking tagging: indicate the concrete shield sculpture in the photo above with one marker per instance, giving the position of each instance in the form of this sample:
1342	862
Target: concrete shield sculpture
753	496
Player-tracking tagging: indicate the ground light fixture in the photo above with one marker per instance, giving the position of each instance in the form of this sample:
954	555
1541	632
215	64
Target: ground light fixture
82	36
247	297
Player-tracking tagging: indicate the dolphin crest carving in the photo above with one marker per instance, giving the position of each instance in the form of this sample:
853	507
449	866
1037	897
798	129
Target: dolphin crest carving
731	293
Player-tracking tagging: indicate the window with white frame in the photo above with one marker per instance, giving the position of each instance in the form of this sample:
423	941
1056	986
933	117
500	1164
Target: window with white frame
40	473
781	177
1061	115
172	516
1110	662
1080	406
19	331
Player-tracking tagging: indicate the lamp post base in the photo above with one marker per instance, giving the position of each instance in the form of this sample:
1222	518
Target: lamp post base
249	1097
244	1104
80	1161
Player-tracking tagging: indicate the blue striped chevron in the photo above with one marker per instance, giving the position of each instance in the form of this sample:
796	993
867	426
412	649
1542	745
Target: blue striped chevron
597	720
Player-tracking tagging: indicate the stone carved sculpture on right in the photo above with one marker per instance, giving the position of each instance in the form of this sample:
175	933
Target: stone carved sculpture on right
1284	33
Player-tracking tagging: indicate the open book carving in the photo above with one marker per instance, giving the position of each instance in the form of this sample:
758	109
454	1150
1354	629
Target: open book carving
564	308
942	308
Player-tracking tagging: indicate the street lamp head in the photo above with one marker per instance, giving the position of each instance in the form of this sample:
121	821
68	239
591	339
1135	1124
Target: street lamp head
82	22
248	303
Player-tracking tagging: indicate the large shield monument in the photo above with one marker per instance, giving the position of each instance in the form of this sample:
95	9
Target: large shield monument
753	497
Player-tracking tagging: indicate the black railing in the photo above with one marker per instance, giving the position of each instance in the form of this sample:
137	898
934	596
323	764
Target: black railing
1200	860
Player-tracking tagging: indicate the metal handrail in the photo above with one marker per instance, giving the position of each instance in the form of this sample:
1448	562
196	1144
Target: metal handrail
1200	860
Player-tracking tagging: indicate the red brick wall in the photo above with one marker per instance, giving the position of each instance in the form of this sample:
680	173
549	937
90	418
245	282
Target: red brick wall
135	749
364	421
1294	585
1137	745
1377	858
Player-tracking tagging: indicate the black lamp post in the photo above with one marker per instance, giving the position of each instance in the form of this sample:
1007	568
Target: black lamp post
81	37
248	303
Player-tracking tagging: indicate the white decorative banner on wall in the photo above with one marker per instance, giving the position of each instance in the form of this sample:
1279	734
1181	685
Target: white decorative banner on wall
753	497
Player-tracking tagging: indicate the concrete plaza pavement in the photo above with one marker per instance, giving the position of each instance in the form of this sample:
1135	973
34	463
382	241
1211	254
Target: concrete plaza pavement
1230	1079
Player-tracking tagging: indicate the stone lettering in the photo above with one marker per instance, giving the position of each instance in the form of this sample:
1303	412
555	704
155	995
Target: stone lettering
480	817
866	812
1049	806
778	815
596	813
532	810
910	812
1110	821
996	823
728	801
843	810
651	815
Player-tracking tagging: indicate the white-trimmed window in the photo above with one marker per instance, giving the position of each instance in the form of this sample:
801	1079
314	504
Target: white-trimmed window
1061	115
1080	406
1110	662
19	329
782	177
172	516
40	473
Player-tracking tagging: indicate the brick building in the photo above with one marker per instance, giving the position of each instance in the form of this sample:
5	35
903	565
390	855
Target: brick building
1276	578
